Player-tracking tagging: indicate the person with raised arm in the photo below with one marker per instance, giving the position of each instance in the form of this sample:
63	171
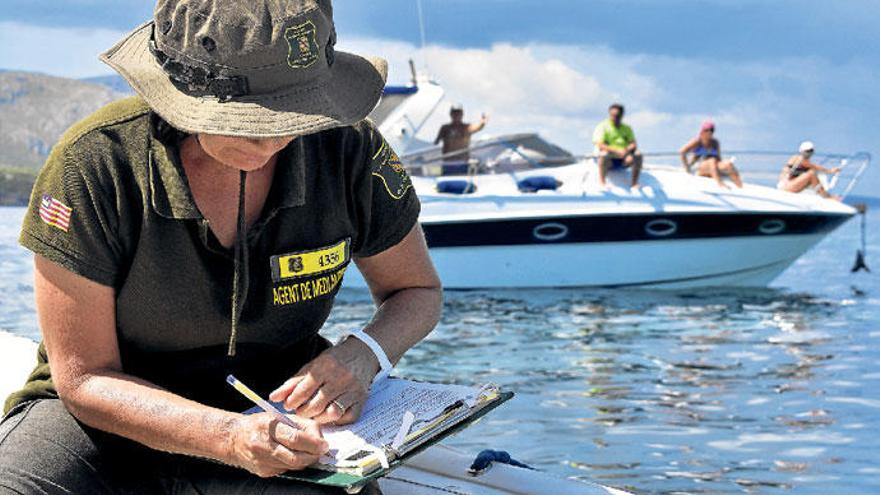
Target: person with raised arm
456	139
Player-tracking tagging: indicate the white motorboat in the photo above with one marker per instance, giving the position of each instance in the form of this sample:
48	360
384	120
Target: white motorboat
438	470
528	214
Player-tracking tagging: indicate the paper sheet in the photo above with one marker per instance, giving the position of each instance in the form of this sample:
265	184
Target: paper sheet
383	414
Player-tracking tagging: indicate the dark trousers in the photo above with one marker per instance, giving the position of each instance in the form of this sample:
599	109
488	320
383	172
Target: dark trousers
455	167
45	450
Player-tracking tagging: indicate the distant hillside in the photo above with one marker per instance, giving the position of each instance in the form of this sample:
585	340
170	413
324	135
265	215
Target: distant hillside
15	186
35	109
114	82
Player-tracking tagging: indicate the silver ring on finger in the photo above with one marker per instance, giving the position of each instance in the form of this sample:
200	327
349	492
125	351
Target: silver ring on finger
339	405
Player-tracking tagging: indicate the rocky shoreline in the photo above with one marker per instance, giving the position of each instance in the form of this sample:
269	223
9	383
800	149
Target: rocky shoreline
15	186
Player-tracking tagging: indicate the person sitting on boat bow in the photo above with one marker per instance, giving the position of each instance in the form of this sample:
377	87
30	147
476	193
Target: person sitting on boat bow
705	151
617	147
456	139
202	229
800	172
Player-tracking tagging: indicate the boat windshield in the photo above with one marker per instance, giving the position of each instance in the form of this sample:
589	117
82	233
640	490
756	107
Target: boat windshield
392	98
500	155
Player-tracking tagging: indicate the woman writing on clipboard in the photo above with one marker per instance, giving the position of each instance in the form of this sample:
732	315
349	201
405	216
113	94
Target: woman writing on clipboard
201	229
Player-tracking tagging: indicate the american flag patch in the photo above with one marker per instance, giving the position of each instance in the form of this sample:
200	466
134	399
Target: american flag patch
55	213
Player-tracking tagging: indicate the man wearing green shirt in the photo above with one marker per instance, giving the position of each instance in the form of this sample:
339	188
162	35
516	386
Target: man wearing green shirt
617	146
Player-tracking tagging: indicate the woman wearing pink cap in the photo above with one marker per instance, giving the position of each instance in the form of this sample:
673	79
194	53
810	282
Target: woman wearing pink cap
706	151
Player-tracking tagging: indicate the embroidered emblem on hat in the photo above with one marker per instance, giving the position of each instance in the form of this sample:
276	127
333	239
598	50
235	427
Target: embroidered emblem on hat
387	166
55	213
302	41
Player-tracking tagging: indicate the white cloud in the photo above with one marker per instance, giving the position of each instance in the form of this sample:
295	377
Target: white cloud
514	77
648	119
559	91
562	91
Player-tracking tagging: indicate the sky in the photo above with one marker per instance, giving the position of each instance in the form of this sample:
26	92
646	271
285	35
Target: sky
770	73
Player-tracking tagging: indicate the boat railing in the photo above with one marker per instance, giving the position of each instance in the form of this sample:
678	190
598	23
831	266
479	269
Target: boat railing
755	166
765	167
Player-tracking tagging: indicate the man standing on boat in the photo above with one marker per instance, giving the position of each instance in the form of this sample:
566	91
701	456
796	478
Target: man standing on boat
617	147
456	138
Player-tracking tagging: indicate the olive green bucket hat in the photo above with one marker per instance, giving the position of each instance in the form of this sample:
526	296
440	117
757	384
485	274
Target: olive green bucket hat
259	68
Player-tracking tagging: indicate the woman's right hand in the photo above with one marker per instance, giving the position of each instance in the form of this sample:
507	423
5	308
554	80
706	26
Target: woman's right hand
266	447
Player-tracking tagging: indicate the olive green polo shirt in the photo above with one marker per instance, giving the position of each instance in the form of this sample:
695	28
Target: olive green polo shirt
112	204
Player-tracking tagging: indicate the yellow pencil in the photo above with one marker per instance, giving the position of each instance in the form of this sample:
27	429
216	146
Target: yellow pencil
260	402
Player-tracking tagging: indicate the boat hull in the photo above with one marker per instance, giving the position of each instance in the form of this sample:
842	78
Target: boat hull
671	264
678	231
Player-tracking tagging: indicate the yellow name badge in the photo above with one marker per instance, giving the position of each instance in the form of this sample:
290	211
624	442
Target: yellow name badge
308	263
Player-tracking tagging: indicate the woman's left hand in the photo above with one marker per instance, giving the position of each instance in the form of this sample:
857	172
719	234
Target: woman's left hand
333	387
409	302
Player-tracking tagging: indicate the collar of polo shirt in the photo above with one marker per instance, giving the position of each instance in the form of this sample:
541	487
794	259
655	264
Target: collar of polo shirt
170	195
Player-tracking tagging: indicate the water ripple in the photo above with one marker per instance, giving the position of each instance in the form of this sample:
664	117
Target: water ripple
709	391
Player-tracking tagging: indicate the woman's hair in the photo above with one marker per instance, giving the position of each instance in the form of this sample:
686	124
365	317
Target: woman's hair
165	132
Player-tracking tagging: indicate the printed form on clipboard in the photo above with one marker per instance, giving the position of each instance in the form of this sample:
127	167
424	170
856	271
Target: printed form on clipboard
399	417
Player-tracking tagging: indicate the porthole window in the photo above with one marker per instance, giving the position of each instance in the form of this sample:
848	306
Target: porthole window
770	227
661	227
550	232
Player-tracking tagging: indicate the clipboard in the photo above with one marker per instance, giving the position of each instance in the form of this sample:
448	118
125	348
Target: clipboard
353	483
451	420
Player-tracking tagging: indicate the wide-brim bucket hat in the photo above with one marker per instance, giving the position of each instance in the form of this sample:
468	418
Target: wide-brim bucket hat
263	68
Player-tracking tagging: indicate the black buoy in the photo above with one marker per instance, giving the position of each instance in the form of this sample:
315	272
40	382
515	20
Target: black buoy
860	263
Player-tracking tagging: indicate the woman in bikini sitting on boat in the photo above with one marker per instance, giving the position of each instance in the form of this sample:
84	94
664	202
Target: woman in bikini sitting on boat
705	151
800	173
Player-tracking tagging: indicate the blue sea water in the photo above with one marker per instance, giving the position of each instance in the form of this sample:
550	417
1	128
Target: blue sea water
766	391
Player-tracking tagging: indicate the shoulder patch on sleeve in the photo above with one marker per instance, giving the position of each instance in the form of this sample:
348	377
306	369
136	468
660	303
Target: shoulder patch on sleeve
388	168
55	213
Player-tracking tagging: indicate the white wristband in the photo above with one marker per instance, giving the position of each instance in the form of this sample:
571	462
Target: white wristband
385	365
